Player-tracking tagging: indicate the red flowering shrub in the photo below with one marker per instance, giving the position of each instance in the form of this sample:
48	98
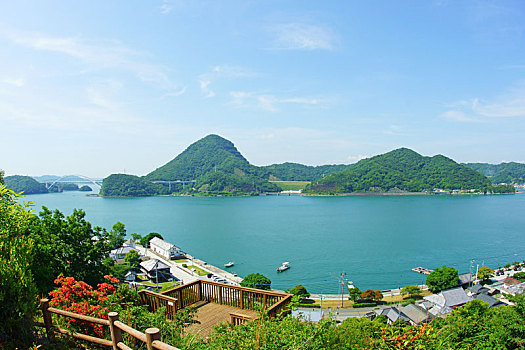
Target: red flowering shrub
409	337
79	297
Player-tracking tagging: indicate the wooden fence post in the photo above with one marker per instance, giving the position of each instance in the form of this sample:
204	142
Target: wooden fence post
242	299
151	335
48	322
116	334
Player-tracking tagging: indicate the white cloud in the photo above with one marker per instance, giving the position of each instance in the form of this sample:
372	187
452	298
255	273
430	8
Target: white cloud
18	82
458	116
510	104
175	93
97	55
205	89
269	102
232	72
301	36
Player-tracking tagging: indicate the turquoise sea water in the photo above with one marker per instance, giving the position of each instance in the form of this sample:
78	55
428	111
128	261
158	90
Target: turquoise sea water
376	240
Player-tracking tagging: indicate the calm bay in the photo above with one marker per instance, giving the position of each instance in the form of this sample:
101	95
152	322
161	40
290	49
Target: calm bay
376	240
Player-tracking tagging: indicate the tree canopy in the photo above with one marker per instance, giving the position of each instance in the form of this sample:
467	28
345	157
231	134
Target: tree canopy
442	278
18	293
144	241
256	280
300	291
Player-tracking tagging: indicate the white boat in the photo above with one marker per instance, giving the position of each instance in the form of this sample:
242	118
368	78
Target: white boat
230	264
285	266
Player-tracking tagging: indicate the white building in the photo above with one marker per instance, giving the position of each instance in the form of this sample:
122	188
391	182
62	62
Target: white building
166	249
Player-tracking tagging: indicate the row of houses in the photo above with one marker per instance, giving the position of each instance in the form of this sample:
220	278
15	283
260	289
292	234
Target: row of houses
443	303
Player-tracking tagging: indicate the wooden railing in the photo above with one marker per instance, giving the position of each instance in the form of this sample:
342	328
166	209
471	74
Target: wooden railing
155	301
222	294
150	337
237	319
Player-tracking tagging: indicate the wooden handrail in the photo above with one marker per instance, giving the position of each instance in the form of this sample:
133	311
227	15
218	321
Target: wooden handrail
79	317
151	337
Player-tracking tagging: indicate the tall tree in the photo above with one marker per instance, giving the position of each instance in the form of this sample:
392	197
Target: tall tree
17	290
68	245
442	278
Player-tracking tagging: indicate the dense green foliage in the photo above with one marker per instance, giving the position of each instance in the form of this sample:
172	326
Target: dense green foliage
300	291
67	245
411	291
144	241
85	188
121	185
26	184
18	292
256	280
399	171
300	172
68	187
442	278
501	173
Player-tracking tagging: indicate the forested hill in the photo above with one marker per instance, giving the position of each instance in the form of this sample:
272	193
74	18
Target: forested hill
300	172
501	173
401	170
26	184
209	154
216	166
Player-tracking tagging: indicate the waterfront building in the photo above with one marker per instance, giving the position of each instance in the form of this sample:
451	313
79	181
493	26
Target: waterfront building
165	249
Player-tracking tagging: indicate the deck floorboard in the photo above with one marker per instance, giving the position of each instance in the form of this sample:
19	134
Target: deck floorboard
210	315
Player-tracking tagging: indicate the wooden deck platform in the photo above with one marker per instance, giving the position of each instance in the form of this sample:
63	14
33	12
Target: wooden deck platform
210	315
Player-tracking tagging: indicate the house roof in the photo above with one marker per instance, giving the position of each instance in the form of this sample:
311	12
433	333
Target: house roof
488	299
415	313
455	297
465	278
161	243
477	288
153	264
393	314
123	250
511	281
436	299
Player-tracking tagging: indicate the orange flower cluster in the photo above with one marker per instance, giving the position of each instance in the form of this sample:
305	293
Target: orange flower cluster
413	337
79	297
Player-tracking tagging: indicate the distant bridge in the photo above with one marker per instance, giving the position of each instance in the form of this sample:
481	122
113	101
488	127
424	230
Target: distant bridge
85	180
183	182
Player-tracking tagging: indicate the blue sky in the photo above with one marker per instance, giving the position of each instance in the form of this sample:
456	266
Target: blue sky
99	87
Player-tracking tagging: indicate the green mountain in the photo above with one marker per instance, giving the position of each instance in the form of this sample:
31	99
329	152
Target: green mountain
26	184
501	173
216	166
401	170
300	172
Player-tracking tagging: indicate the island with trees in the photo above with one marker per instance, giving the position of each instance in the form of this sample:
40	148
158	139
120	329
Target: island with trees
214	166
404	171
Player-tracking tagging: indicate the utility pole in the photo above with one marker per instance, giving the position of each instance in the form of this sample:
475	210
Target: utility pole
342	286
470	281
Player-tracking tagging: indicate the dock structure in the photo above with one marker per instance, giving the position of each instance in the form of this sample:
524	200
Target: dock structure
422	270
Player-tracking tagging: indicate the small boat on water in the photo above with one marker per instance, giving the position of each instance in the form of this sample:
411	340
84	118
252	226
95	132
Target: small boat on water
285	266
230	264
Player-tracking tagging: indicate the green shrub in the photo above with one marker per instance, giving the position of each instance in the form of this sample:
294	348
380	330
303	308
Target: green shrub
360	305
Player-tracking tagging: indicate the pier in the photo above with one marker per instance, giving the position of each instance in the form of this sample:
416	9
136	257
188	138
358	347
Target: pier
422	270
